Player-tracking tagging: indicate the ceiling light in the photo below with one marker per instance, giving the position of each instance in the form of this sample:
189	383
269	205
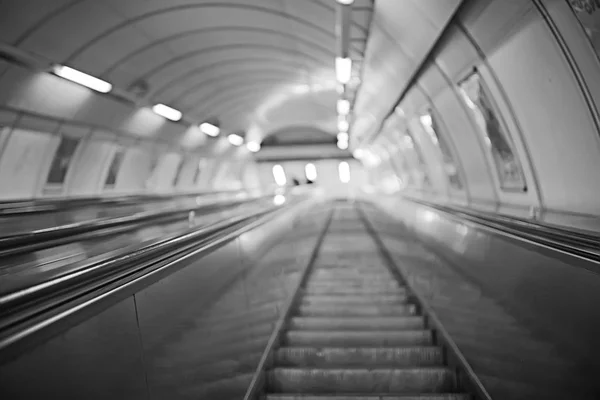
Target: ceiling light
343	136
343	106
167	112
342	144
83	79
344	172
210	129
311	172
343	69
235	140
279	199
279	175
426	120
343	125
253	146
345	2
358	153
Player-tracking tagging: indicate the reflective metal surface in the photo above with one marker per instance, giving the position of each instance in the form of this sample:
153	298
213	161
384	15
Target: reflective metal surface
535	308
139	340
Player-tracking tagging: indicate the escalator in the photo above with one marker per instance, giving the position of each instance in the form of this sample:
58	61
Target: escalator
334	309
356	332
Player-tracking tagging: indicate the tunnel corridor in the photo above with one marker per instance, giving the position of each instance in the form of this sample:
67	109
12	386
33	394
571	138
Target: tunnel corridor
299	199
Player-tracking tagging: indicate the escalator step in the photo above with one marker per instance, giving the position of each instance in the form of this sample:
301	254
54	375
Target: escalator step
409	380
370	396
358	338
365	291
357	323
331	357
352	284
355	300
338	310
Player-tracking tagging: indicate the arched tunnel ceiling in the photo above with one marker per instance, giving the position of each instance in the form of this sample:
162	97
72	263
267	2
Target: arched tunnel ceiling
255	65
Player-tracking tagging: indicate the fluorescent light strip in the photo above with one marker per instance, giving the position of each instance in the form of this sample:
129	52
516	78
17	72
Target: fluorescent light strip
279	175
167	112
82	78
343	69
210	129
343	106
358	153
344	172
311	172
253	146
342	144
343	125
235	140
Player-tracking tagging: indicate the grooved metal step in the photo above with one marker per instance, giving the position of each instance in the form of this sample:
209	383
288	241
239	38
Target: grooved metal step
358	338
354	299
357	323
370	396
361	380
353	284
343	310
365	291
354	334
333	357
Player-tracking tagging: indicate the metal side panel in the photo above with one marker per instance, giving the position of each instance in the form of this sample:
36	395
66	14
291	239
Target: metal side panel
99	359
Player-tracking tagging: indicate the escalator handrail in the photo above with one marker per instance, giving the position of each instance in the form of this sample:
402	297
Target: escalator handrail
577	244
43	238
586	237
454	356
258	382
16	208
30	310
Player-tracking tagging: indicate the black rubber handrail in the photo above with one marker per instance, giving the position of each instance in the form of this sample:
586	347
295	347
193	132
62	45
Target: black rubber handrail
49	237
15	208
31	311
586	246
584	237
453	355
258	383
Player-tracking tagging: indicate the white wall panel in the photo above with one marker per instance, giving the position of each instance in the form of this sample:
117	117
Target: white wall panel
164	173
554	118
134	171
24	163
437	174
88	169
468	146
251	176
456	53
188	172
265	171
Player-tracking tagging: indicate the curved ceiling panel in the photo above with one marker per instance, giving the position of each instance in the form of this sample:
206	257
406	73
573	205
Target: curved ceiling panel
184	78
403	33
247	60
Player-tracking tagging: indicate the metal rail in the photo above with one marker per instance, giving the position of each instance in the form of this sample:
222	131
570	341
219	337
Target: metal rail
55	236
585	246
454	357
257	385
31	315
16	208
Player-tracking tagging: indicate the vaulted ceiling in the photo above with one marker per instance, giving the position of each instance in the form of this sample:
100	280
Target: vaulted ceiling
254	65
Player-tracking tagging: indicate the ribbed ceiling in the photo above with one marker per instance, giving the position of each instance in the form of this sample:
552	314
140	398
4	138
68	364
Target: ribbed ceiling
255	65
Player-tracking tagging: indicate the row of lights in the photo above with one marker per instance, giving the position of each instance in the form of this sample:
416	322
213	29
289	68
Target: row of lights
163	110
343	71
311	173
